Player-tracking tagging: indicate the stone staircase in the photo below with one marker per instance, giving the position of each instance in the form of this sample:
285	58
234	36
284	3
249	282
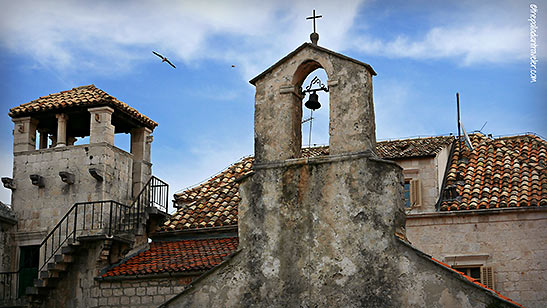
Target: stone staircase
130	224
49	277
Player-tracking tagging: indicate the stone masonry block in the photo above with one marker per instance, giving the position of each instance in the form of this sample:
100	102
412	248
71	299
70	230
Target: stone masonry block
151	290
141	291
129	291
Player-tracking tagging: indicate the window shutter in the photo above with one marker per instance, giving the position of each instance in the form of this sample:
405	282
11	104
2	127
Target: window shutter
415	193
487	276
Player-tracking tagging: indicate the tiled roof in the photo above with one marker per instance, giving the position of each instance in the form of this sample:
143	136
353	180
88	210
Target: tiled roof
211	204
416	147
176	256
84	96
506	172
214	203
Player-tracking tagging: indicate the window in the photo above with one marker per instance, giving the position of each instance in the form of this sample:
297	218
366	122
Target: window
473	266
407	193
473	272
484	274
412	193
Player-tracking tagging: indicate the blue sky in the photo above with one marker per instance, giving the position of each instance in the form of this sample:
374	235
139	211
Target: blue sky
423	51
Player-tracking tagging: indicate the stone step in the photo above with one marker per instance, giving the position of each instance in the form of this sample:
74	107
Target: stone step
48	275
67	250
56	267
45	283
64	258
73	242
34	291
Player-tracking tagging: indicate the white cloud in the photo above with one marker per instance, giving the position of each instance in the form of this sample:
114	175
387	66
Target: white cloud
490	32
107	36
470	44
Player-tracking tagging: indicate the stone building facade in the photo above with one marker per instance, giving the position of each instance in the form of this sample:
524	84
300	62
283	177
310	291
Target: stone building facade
77	208
490	219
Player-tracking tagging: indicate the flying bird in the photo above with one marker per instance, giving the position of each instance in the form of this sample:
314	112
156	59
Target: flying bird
164	59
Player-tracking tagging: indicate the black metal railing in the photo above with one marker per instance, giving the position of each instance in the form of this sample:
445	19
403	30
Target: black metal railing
8	286
93	218
104	218
85	218
155	193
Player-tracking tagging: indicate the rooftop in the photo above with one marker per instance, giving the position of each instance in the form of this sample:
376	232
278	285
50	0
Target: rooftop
506	172
77	99
176	257
214	202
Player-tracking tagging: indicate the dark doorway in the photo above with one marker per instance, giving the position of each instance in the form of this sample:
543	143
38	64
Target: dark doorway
29	259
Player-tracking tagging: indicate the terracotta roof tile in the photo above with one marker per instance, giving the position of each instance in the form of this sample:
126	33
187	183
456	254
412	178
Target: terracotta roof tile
497	173
176	256
416	147
214	202
84	96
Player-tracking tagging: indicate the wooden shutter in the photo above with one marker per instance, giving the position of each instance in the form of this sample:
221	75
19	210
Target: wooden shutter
415	193
487	276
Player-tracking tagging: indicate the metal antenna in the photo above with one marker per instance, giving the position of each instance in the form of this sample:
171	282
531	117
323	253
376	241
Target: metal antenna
311	122
310	119
480	130
459	130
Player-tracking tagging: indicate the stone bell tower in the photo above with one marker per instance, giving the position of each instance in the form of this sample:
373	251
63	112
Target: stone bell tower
317	231
278	104
50	173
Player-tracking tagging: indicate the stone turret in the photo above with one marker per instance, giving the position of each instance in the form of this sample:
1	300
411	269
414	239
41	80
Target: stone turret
50	173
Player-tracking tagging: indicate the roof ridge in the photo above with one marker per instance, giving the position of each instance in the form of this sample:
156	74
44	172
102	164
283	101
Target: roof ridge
416	138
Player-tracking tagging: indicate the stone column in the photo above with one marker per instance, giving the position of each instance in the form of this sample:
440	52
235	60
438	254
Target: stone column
101	128
352	127
278	121
43	138
61	129
24	134
141	140
140	144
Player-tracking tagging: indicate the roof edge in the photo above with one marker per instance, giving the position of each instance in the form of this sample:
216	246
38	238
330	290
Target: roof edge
458	275
304	45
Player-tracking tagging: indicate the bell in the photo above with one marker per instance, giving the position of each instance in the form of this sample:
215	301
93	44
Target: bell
313	101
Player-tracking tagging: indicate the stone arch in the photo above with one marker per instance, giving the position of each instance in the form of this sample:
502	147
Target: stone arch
301	78
278	104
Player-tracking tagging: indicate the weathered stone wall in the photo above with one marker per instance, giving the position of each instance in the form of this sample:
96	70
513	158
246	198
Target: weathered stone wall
319	232
7	251
514	241
39	209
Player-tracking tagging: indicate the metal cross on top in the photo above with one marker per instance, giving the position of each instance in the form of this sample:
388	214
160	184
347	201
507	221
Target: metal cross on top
314	17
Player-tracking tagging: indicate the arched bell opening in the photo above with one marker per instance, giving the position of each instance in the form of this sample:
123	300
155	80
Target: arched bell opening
315	109
311	79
